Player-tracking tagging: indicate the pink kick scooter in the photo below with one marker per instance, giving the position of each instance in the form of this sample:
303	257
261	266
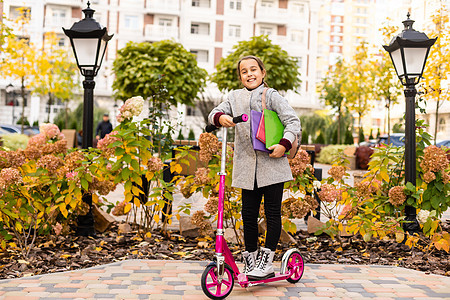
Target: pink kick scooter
219	276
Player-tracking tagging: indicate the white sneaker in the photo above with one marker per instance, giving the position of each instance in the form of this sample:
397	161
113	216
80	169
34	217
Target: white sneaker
249	259
264	267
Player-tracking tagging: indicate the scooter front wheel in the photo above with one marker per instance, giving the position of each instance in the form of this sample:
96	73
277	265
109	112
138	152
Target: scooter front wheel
211	285
296	266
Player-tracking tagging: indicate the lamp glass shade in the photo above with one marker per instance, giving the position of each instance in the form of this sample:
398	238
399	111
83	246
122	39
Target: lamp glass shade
415	60
398	62
86	52
103	44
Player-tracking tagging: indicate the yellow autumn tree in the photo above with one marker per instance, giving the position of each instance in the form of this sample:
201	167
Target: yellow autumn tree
56	72
19	56
358	86
436	73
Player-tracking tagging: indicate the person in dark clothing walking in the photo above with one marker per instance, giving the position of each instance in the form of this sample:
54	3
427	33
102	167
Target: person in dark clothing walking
103	128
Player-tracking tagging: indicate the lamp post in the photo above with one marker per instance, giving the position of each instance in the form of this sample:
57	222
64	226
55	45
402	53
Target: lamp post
409	51
11	94
89	41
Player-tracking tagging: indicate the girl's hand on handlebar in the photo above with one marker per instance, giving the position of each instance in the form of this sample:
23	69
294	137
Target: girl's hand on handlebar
226	121
278	151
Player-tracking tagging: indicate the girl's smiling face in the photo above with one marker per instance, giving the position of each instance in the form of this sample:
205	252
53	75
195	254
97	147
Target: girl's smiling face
251	74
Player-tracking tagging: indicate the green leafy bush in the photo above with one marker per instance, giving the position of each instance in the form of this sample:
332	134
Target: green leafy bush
15	141
329	153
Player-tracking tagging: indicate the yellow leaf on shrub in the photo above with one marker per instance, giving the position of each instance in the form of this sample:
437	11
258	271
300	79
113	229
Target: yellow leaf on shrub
137	202
95	198
148	235
127	208
12	245
128	197
98	249
66	256
156	218
149	175
399	237
63	210
135	190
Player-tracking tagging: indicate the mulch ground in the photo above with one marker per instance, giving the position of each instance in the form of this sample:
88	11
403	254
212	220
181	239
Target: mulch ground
63	253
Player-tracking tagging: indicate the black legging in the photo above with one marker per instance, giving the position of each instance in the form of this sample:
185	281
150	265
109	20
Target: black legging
251	200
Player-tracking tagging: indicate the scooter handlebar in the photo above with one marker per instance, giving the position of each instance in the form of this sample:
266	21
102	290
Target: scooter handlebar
238	119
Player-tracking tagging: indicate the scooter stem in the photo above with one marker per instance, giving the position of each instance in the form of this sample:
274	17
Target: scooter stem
222	175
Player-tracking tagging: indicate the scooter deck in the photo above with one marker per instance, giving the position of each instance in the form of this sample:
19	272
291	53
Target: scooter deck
244	282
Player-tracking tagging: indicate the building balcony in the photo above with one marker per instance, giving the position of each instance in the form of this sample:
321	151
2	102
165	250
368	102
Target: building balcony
158	33
169	7
71	3
270	15
55	25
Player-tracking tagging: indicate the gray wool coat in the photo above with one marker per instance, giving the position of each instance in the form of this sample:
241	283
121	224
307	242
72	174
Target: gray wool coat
249	164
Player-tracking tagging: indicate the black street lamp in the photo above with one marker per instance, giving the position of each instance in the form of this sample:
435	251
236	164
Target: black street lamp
409	51
11	96
89	41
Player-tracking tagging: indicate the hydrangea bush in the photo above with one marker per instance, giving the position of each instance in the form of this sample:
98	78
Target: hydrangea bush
206	181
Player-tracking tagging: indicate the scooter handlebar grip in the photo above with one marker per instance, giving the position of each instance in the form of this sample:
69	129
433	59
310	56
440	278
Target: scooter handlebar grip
210	128
241	118
238	119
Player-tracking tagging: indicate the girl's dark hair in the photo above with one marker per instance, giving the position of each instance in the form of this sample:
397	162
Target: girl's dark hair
258	60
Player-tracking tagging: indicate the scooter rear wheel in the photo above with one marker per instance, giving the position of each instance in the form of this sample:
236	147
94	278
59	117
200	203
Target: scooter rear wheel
212	287
296	266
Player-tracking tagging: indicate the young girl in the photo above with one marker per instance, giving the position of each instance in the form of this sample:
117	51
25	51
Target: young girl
258	173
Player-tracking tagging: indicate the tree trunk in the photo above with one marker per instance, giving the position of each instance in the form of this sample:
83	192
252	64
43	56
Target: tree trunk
389	120
65	115
360	126
22	91
49	106
436	116
339	126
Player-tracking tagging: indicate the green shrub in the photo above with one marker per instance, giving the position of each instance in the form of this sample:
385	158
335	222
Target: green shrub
304	137
348	138
191	135
329	153
320	138
15	141
180	135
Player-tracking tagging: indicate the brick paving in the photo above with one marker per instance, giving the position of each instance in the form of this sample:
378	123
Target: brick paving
169	279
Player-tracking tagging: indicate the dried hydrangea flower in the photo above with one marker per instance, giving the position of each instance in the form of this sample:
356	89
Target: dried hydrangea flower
119	209
299	163
9	176
337	172
198	219
429	177
211	206
434	159
209	146
397	195
329	193
104	144
155	164
50	163
201	176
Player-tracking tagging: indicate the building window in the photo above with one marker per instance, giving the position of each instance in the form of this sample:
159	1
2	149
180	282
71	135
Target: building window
297	36
442	125
165	22
61	42
58	16
200	28
267	3
201	3
17	11
265	30
234	31
298	8
201	55
236	4
131	22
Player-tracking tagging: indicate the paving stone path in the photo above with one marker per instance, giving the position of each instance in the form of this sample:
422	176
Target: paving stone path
165	279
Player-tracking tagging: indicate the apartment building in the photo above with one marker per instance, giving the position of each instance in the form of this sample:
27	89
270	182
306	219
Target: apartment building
207	28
